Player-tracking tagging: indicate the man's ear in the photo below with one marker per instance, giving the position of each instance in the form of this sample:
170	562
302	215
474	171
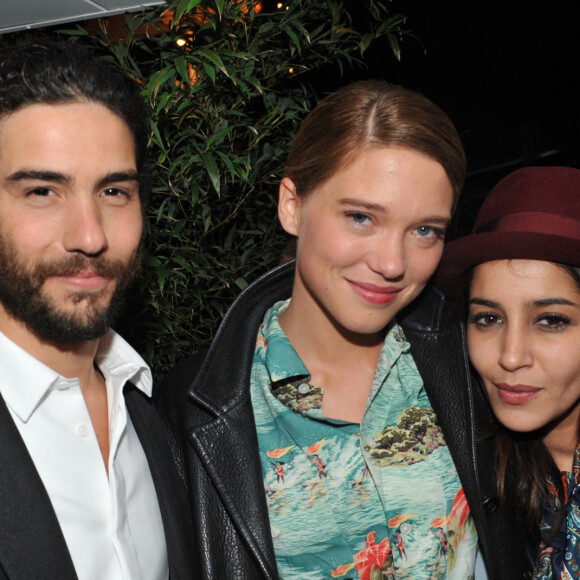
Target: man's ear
289	205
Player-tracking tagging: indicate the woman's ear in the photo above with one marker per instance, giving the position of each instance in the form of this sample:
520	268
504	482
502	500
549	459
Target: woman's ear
289	204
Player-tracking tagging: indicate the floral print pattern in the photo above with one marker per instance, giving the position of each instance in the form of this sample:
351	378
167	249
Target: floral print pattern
375	500
559	558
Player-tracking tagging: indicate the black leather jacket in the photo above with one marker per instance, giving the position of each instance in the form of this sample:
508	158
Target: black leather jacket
206	401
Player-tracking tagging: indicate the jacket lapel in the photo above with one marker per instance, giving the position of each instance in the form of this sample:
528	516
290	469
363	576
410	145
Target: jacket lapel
456	415
249	510
170	490
31	541
460	408
225	396
442	369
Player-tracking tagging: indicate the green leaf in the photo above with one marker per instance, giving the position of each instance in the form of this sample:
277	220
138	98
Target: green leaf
294	39
180	261
241	283
212	169
78	31
365	41
220	6
157	139
210	70
161	274
395	45
305	32
214	58
181	66
218	136
183	7
157	80
228	162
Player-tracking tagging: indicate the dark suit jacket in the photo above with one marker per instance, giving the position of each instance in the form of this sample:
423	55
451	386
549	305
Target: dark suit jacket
32	546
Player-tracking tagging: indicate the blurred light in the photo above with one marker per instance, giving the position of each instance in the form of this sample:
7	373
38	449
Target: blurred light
192	74
279	5
291	70
181	42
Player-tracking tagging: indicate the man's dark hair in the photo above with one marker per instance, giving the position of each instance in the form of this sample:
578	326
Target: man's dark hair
56	72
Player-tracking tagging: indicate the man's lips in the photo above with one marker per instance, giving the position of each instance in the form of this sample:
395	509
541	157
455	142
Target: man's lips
516	394
373	293
85	279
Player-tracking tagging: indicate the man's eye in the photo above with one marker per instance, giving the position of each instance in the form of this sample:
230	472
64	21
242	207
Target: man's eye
113	191
41	191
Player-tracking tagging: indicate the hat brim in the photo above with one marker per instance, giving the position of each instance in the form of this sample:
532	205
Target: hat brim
464	253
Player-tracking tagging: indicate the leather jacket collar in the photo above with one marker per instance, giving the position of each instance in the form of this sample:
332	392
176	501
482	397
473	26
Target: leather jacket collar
231	349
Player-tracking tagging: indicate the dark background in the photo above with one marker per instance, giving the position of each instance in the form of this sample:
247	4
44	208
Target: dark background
505	72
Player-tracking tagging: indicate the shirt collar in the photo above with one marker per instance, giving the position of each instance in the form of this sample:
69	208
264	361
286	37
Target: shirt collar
116	358
25	381
282	361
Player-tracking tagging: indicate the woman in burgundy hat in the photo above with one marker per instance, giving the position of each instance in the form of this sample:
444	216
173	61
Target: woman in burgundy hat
519	273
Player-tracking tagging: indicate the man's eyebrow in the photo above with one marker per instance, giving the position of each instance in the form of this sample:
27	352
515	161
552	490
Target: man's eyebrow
118	176
54	176
38	175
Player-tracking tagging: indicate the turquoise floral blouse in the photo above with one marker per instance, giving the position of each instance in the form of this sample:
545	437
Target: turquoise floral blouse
379	499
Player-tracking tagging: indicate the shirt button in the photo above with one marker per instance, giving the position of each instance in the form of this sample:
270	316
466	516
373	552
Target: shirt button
490	505
303	388
82	430
62	385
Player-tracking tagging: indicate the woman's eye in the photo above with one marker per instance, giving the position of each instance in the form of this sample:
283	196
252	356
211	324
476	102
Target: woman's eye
484	319
430	232
553	321
358	218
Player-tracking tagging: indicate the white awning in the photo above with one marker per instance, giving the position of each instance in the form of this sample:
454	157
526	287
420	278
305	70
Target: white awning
24	14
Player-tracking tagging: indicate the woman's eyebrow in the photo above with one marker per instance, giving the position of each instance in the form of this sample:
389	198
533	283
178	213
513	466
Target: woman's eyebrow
552	301
483	302
377	208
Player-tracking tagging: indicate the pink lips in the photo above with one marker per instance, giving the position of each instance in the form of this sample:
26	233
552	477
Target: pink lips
375	294
516	394
86	280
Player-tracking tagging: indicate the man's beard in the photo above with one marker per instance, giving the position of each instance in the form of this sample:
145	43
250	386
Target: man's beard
23	298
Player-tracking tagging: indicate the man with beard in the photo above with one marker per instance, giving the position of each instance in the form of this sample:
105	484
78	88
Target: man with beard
87	486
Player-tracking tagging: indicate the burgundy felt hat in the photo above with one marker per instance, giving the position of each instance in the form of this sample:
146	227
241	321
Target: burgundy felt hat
533	213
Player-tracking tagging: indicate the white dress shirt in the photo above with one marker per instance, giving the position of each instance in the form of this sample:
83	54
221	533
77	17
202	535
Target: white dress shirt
112	524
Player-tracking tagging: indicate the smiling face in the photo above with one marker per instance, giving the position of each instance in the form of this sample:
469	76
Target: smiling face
70	220
524	337
369	238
